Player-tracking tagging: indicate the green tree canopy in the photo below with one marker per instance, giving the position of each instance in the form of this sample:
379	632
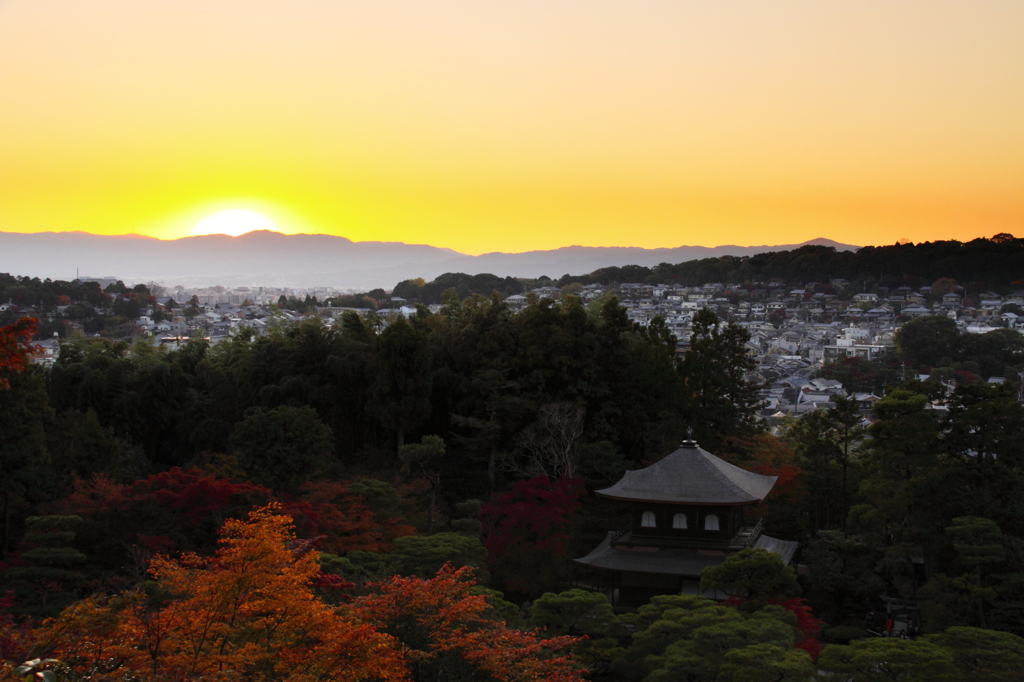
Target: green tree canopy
883	659
929	341
25	417
756	575
402	378
573	612
983	655
282	447
424	555
719	400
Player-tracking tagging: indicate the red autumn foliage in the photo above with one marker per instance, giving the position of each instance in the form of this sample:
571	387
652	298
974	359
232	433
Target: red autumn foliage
965	378
788	484
806	622
190	493
14	636
332	581
536	511
88	496
442	632
193	502
788	489
195	496
770	456
16	346
327	508
528	526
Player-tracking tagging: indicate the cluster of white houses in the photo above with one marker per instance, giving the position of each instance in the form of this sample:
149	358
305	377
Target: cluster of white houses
793	330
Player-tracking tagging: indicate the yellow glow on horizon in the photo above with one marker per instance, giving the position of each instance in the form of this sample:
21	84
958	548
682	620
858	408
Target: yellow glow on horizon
234	223
515	126
232	216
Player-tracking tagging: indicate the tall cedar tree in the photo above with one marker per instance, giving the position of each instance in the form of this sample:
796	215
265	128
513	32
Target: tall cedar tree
720	401
282	447
402	379
24	416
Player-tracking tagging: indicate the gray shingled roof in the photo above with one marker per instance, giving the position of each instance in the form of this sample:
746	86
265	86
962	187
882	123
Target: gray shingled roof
784	548
686	562
691	475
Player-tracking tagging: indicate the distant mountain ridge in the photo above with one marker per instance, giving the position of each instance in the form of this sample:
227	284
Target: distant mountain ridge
265	258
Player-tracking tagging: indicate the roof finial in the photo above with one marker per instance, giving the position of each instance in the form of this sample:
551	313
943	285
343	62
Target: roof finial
689	442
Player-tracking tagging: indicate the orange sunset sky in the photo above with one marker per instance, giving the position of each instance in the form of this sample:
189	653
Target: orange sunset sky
510	126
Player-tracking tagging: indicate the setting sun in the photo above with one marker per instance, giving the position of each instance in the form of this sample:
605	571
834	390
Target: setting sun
515	126
233	222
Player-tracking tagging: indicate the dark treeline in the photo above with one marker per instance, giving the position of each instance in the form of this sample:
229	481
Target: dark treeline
995	263
48	294
78	301
419	291
476	375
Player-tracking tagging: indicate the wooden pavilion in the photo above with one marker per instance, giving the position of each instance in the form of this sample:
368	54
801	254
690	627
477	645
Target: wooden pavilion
688	511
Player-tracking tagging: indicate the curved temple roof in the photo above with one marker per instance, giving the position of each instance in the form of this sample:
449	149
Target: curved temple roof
691	475
679	561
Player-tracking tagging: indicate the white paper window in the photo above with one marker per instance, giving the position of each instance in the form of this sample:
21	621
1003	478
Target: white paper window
647	520
710	522
679	521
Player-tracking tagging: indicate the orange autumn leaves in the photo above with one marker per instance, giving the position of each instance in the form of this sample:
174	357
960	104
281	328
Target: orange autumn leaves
250	613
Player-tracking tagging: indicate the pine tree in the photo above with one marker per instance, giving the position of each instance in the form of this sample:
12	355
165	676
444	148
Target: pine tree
43	575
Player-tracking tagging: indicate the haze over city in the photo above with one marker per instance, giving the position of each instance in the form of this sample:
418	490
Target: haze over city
514	126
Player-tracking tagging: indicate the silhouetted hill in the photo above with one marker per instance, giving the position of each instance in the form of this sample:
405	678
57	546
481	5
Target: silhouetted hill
584	259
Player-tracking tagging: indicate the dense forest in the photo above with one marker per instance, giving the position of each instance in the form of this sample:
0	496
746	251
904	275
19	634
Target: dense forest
345	467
